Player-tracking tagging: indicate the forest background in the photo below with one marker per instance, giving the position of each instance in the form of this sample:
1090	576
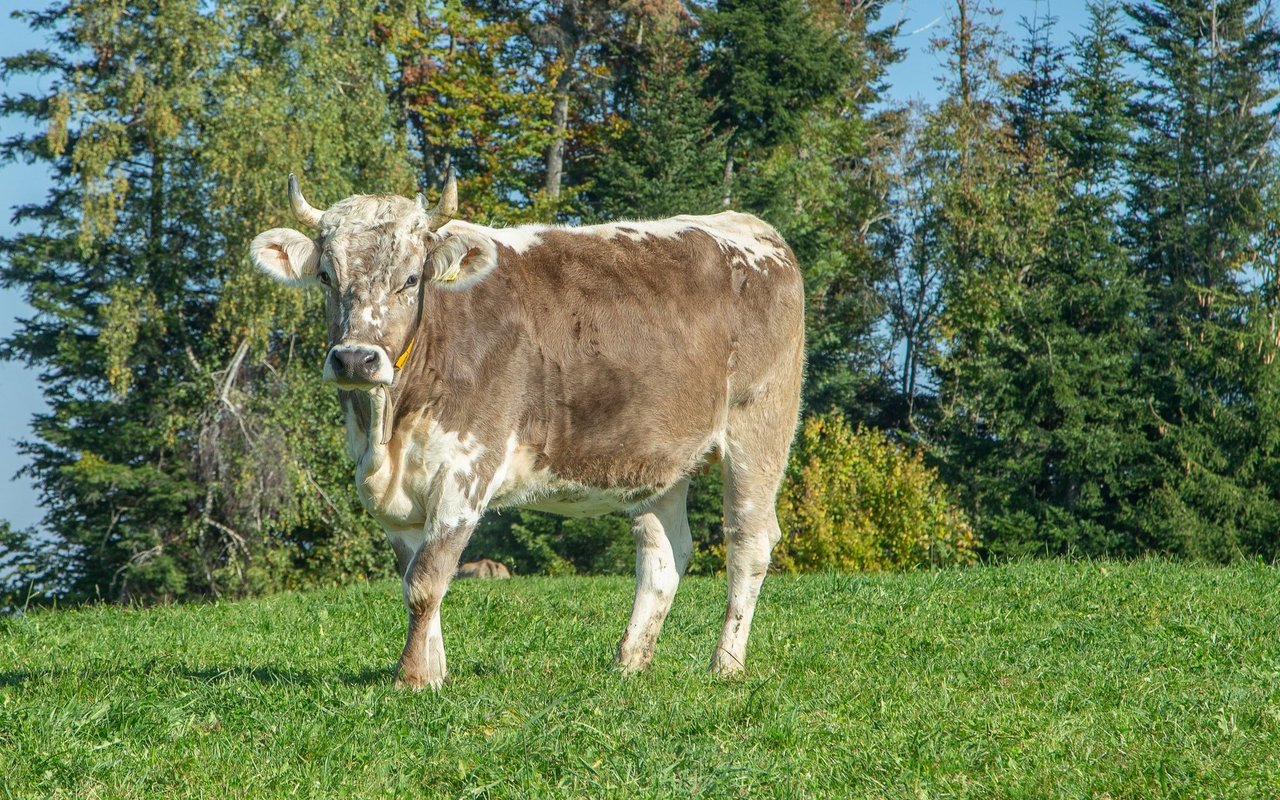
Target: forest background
1042	309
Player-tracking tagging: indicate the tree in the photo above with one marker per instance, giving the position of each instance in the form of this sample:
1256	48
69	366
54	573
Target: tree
173	461
467	101
992	216
1075	437
574	54
1204	178
1046	377
769	64
664	156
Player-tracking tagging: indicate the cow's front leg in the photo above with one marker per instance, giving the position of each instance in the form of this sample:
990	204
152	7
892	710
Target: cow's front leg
663	548
425	582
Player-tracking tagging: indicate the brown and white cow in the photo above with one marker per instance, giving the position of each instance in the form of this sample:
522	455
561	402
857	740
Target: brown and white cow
485	568
577	370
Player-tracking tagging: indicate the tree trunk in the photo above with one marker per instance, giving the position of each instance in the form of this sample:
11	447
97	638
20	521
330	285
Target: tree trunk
559	130
727	181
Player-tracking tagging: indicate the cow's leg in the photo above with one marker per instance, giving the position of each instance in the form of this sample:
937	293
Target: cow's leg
404	544
425	582
663	548
757	440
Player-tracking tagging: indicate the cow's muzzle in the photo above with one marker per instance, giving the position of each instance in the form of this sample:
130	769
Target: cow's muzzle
354	366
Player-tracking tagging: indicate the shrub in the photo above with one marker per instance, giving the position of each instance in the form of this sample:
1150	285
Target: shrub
858	500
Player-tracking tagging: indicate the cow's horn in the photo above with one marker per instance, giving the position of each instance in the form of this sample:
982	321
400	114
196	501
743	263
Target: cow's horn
448	205
303	210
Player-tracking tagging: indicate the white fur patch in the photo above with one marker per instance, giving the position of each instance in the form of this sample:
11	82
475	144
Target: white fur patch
428	479
519	484
745	240
520	239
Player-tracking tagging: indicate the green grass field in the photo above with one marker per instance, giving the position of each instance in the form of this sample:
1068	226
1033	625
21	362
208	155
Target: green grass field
1031	680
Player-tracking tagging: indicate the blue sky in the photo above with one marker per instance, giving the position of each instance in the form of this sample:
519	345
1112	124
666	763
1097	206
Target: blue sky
914	78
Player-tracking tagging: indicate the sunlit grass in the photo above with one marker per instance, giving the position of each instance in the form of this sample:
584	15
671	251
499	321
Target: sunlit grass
1032	680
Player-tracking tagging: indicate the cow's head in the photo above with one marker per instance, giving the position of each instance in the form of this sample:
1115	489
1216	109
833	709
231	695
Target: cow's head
374	257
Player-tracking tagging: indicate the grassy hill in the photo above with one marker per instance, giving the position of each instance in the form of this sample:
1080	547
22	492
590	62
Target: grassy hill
1031	680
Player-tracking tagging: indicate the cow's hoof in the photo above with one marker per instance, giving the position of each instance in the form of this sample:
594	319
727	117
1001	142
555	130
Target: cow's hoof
418	682
724	665
629	667
631	658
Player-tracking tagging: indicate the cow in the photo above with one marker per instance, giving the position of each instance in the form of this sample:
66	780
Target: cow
484	568
576	370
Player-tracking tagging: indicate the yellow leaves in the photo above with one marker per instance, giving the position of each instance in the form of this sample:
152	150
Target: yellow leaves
127	309
251	306
99	150
857	500
59	122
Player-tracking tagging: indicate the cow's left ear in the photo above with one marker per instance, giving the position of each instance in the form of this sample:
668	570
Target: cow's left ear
463	259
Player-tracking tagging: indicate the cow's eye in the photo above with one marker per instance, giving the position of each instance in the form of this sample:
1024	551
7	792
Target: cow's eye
324	278
410	282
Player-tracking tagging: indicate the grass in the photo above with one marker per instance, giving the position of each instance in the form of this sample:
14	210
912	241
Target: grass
1040	679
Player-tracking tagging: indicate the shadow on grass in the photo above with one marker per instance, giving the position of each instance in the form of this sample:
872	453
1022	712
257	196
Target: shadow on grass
264	674
15	678
291	677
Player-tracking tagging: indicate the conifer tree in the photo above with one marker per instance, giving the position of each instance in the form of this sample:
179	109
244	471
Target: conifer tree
665	157
1065	425
1204	177
996	207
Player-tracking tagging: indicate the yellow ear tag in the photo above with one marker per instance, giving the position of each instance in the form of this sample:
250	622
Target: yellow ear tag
405	355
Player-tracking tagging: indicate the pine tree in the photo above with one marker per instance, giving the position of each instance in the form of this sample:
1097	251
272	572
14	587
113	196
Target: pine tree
665	157
769	64
1203	173
994	211
1066	435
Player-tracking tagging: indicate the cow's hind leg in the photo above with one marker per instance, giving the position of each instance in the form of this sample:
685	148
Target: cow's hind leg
663	548
757	439
425	582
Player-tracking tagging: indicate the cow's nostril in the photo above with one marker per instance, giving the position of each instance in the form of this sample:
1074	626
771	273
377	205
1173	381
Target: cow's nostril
369	358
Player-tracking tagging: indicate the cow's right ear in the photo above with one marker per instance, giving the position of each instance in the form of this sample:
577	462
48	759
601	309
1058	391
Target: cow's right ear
286	255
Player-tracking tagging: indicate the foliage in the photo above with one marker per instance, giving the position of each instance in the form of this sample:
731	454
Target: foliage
29	570
854	499
1080	270
769	64
1042	308
462	85
172	461
664	157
